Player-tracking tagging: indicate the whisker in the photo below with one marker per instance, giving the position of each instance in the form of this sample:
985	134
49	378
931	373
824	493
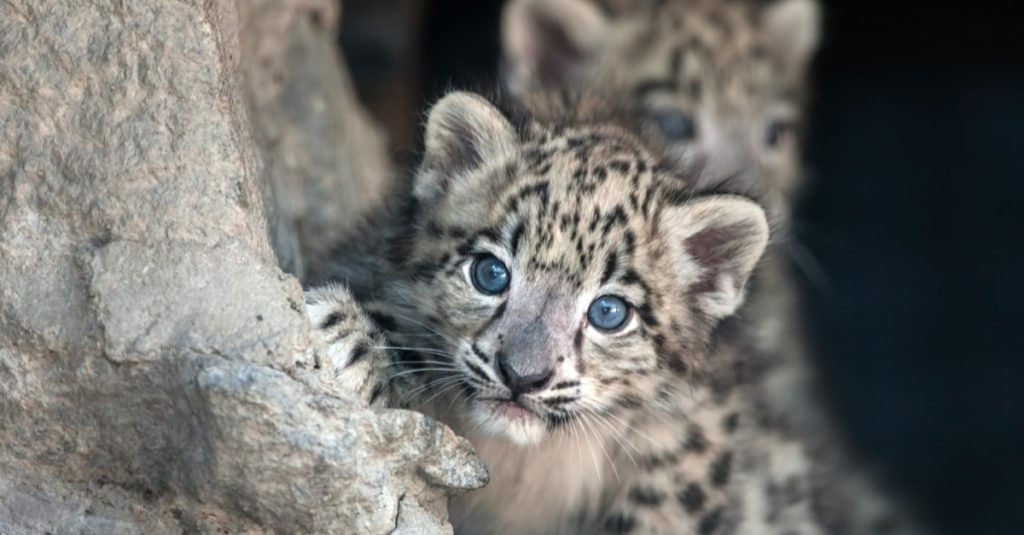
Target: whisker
427	350
601	417
421	370
588	426
593	407
420	362
448	386
623	444
436	383
419	323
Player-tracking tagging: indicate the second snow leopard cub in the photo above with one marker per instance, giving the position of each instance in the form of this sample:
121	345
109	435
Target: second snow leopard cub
721	83
557	287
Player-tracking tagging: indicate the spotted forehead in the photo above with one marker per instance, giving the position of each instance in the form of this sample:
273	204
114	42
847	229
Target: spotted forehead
578	197
698	49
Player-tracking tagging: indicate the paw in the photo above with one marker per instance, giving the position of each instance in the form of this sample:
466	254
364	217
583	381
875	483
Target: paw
348	349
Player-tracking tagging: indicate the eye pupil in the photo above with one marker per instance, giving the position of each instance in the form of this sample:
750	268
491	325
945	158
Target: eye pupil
676	126
608	313
773	133
490	276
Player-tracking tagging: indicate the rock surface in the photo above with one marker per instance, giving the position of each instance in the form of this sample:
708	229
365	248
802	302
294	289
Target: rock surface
158	167
326	163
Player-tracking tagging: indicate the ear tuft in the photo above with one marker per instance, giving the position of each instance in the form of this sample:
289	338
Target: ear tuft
793	31
548	43
464	132
724	236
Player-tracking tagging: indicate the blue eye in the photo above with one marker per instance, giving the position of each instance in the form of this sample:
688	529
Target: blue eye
774	132
489	275
608	313
676	125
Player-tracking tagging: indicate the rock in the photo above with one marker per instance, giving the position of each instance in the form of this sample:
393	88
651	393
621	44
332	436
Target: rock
291	458
155	197
325	160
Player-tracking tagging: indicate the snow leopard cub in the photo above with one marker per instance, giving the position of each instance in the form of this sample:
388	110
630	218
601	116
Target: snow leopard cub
556	288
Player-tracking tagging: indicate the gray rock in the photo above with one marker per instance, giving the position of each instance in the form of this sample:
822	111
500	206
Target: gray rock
325	161
158	163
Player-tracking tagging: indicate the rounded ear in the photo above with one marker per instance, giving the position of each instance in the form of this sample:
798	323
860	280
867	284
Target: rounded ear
716	242
548	44
793	30
464	132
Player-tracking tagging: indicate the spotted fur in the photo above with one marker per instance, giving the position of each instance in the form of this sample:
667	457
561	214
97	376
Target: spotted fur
732	71
737	70
349	350
575	211
636	430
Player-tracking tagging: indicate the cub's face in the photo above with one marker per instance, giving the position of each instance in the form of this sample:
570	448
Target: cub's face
718	83
560	276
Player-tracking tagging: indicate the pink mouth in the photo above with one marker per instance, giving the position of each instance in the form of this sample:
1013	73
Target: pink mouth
511	410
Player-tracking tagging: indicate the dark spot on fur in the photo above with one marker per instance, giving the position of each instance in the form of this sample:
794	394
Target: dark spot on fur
709	524
656	461
477	371
677	366
480	354
498	312
331	320
692	498
378	389
646	314
610	265
721	469
618	216
696	442
620	522
559	400
731	422
630	401
358	353
646	496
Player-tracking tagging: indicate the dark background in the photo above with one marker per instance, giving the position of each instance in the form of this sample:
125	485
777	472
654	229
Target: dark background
913	215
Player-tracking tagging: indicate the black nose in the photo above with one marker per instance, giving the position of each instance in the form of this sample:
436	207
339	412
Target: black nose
523	384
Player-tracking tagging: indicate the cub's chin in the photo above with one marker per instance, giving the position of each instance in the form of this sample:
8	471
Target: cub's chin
507	420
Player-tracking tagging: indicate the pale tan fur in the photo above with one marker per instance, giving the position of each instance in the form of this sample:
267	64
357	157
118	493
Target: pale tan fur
652	428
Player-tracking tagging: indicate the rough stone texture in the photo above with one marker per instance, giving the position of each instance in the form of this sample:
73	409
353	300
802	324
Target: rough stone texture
326	161
154	357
